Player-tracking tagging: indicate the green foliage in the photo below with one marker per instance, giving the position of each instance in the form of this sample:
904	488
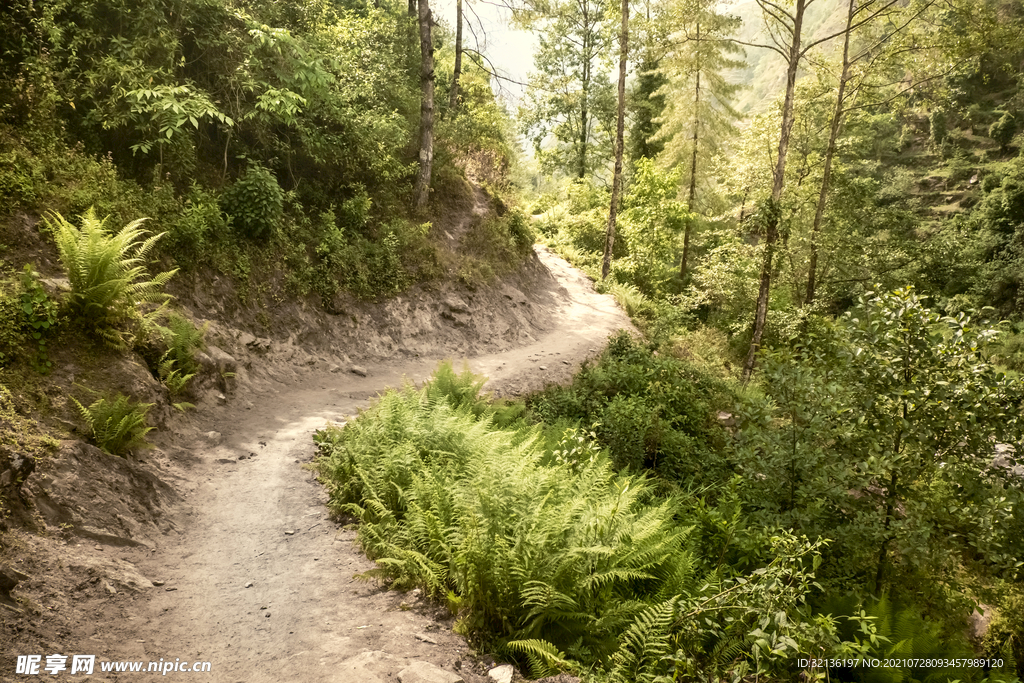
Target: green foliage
573	566
178	364
879	433
195	232
575	102
652	225
651	411
39	316
1003	130
938	129
28	319
117	424
254	203
108	276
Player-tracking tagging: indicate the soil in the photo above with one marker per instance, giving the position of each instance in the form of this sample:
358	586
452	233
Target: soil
216	546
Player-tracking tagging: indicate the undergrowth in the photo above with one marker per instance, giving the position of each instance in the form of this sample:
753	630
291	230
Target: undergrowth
117	424
547	552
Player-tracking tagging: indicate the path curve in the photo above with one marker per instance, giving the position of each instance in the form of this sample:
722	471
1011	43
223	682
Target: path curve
261	583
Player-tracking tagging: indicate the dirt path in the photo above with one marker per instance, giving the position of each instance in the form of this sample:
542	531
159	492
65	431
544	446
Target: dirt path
259	582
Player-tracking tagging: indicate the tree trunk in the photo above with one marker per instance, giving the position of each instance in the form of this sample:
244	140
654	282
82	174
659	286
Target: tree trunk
830	151
779	181
585	94
693	164
412	8
609	240
453	95
422	190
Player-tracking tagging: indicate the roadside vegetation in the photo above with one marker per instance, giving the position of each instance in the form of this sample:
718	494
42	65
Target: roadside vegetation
810	451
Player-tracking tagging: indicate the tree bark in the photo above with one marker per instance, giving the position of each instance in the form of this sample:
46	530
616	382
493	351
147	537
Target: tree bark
609	240
830	151
778	183
693	164
422	189
585	94
453	95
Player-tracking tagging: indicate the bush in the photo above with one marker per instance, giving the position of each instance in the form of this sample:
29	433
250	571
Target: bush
561	560
1002	131
937	126
117	424
255	203
107	275
193	232
651	411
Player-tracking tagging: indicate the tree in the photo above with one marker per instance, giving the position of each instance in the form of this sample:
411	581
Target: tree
785	34
453	94
570	99
699	111
609	241
878	431
426	156
858	15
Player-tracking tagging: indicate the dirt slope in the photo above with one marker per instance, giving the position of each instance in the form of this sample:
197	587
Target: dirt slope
250	574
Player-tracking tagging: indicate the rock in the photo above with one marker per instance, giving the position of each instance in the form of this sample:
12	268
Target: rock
9	578
542	367
358	370
726	419
22	466
158	583
248	584
289	532
212	438
456	304
222	399
425	638
246	339
425	672
110	589
226	461
501	674
334	368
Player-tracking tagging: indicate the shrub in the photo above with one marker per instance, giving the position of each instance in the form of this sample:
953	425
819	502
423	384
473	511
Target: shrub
38	317
107	274
255	203
1002	130
561	560
193	231
937	126
183	340
520	230
651	411
117	424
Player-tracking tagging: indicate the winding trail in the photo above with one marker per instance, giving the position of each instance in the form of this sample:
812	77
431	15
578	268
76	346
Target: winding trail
261	583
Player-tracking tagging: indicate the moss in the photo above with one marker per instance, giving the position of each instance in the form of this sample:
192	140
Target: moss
19	431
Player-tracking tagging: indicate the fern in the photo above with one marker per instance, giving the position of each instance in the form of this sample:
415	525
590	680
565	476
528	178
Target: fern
107	275
544	658
646	644
174	379
117	424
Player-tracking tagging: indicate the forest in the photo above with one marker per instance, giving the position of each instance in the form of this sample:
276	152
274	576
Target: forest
813	211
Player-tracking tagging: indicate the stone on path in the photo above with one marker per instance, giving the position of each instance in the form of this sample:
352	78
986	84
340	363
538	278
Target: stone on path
501	674
425	672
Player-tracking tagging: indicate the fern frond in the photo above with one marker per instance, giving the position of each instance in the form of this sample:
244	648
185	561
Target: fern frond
544	658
